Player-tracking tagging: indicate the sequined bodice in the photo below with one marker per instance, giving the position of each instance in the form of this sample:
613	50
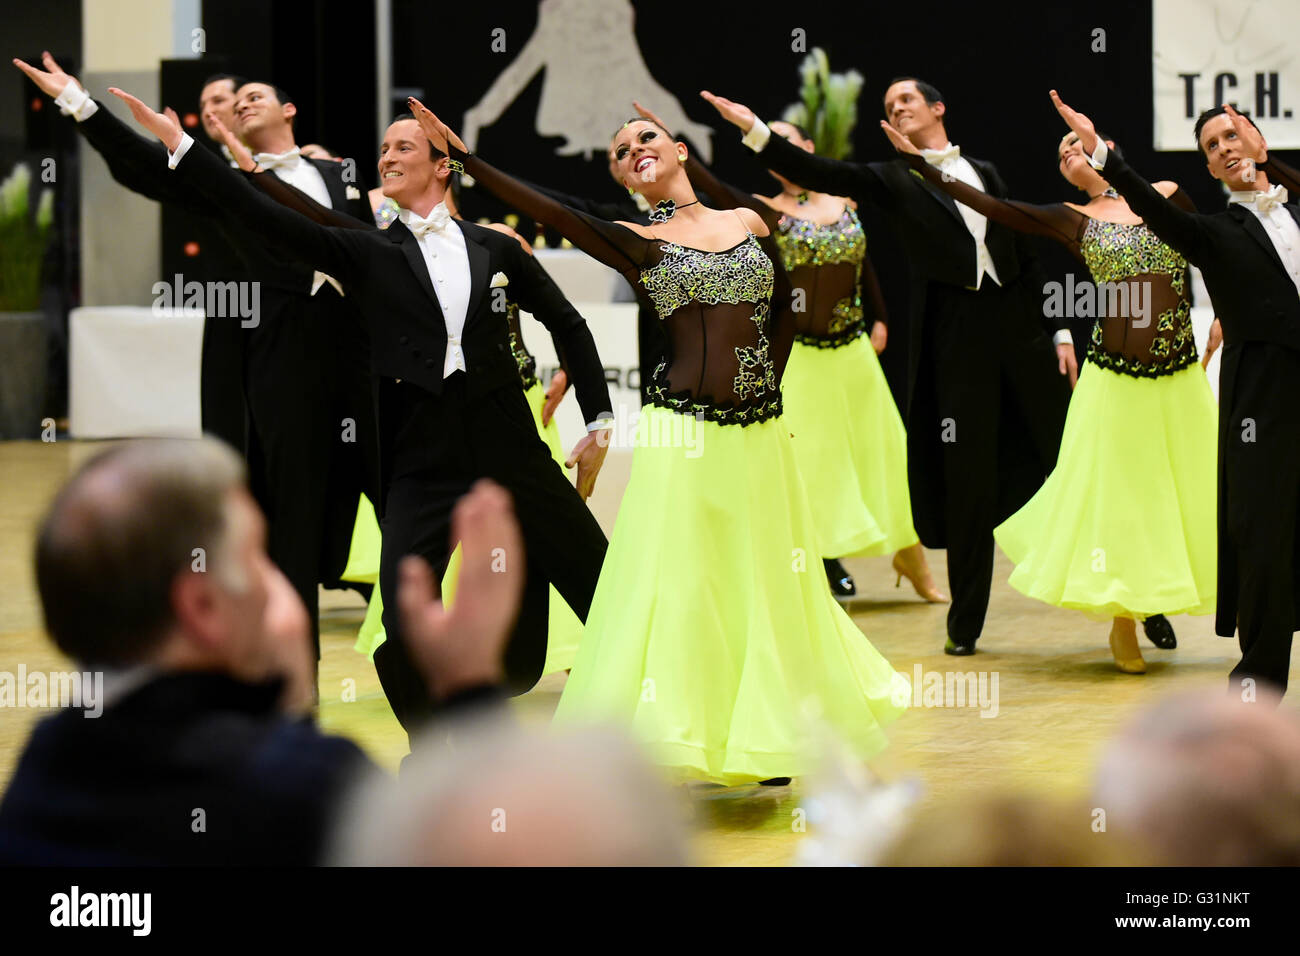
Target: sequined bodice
1157	343
387	213
524	359
806	243
716	308
825	261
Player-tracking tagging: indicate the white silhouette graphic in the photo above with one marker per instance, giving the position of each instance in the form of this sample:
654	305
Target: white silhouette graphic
594	70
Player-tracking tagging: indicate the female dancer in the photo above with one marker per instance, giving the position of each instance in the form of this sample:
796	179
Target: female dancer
848	436
706	633
1123	527
564	629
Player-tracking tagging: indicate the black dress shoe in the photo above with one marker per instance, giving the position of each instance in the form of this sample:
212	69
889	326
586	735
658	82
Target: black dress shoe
1160	632
842	585
775	782
958	650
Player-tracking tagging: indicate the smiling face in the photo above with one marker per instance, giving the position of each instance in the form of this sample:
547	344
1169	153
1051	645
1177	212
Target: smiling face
407	167
908	112
259	110
1074	166
217	97
1225	157
645	158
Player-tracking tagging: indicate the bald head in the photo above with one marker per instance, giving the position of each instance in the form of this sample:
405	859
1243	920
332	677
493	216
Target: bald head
117	535
1210	780
506	797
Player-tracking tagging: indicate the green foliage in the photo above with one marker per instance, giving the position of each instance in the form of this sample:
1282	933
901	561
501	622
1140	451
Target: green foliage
23	239
828	105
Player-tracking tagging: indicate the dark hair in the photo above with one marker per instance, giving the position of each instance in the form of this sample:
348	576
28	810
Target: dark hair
1205	117
803	133
236	81
1103	137
434	152
119	533
930	92
640	119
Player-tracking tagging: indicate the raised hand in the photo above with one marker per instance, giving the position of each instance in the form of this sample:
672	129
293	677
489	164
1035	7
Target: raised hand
166	128
646	114
464	646
589	455
233	143
437	131
554	395
898	140
1252	140
735	113
52	79
1081	125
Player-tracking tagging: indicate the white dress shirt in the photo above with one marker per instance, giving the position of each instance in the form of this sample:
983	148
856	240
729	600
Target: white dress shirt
448	264
952	164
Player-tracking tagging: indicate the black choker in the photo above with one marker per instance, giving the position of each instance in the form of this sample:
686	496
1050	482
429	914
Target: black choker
665	209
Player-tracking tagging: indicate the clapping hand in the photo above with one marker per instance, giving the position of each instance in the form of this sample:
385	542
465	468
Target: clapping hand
735	113
465	646
1080	124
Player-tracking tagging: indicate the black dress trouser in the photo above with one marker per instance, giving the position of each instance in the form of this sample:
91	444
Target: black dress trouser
999	404
443	445
1261	458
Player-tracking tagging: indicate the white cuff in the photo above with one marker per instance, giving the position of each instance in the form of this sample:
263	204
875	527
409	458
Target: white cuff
1063	337
75	102
173	158
1098	157
600	423
757	136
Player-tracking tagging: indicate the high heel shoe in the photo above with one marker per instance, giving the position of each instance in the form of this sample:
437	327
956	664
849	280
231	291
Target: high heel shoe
1123	662
924	588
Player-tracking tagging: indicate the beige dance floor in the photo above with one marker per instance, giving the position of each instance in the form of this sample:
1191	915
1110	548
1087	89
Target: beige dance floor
1059	695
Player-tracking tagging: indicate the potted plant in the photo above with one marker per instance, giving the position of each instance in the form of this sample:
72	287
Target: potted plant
24	236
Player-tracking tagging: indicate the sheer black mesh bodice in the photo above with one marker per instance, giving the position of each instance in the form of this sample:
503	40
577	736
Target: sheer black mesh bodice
1141	291
727	313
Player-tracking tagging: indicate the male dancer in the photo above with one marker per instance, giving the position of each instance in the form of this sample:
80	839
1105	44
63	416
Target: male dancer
311	438
449	407
1249	255
985	409
221	394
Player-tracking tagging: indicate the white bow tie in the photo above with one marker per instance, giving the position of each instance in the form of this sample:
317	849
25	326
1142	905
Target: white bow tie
287	160
436	221
938	157
1262	201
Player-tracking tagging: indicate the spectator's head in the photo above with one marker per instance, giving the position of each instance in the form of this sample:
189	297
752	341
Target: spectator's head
153	553
264	115
1225	160
916	109
502	796
1208	780
412	171
1010	830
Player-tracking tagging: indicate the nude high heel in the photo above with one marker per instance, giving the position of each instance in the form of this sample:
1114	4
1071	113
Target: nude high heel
921	581
1124	647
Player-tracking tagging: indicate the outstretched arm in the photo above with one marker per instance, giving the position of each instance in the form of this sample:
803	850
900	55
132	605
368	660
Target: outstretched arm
339	252
616	246
1183	230
861	181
